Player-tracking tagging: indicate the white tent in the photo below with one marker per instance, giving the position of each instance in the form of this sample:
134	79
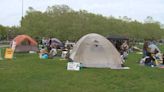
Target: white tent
94	50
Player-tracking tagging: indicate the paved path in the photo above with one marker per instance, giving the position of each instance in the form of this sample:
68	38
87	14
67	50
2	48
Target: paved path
3	46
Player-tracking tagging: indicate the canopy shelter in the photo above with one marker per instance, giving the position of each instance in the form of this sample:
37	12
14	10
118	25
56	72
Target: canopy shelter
117	37
117	40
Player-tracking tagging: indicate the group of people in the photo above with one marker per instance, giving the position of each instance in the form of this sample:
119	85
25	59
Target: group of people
45	54
47	50
50	50
151	55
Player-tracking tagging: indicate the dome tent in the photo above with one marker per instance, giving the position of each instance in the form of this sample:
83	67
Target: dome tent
94	50
56	42
25	43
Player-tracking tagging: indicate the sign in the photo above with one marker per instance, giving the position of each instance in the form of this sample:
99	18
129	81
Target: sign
9	53
73	66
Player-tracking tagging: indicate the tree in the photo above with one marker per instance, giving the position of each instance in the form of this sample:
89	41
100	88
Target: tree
64	23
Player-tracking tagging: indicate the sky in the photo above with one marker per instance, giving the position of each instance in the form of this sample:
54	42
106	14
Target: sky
11	10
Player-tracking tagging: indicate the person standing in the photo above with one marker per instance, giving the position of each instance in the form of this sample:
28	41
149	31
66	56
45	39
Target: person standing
13	46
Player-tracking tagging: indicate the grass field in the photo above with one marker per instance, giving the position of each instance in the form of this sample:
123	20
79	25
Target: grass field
28	73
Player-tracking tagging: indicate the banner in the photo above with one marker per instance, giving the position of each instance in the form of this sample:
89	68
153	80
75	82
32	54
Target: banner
73	66
9	53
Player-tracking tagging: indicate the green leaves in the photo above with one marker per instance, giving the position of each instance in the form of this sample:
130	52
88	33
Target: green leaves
64	23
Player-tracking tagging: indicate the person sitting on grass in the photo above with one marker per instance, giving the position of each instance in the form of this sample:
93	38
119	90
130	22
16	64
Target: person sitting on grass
154	58
145	48
43	53
64	53
163	58
53	52
158	57
124	49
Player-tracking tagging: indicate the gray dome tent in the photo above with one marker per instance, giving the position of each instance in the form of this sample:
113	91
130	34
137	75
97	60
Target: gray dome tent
56	42
94	50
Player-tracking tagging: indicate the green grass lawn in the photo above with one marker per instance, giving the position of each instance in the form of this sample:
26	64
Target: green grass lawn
28	73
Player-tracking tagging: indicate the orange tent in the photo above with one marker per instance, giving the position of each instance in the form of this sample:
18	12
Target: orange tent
20	38
31	46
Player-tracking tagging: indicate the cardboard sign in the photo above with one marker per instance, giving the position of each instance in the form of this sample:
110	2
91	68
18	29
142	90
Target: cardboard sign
9	53
73	66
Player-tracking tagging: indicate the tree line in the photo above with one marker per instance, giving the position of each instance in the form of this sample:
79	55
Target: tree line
64	23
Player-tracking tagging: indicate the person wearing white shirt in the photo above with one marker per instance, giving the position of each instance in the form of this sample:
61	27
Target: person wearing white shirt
152	48
13	45
53	52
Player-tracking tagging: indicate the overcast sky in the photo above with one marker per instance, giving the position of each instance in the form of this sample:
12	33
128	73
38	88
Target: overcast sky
11	10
